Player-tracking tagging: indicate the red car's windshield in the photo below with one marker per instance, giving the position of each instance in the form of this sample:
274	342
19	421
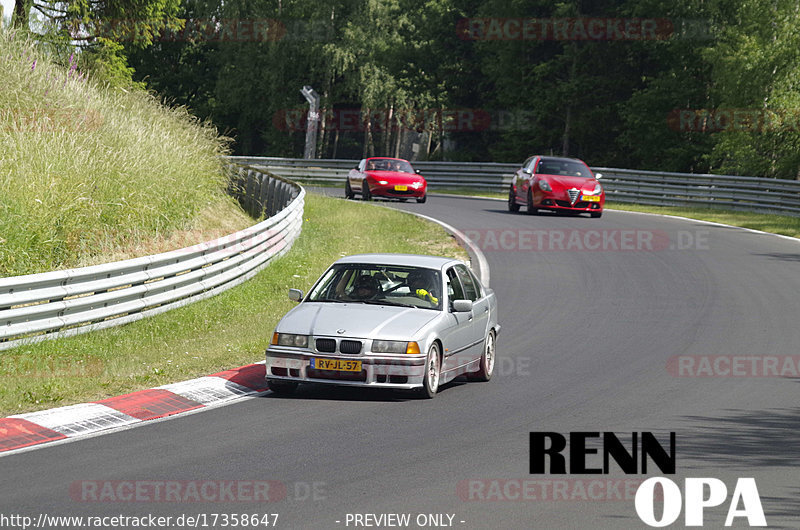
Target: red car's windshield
563	167
386	164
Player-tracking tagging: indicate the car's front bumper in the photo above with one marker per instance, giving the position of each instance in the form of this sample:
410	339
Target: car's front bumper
401	371
388	190
553	202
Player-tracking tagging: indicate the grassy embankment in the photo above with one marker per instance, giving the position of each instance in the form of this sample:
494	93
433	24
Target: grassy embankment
91	174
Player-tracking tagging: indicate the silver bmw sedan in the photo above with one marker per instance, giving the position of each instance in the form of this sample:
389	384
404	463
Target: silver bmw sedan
387	320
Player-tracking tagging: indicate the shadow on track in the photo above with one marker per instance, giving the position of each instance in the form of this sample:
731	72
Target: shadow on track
325	392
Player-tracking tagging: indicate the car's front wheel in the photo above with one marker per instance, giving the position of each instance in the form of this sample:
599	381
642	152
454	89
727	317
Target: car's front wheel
595	215
365	194
348	191
512	200
422	199
486	369
283	388
532	210
433	367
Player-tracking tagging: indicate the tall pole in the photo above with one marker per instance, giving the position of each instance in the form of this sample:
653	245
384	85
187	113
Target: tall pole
313	118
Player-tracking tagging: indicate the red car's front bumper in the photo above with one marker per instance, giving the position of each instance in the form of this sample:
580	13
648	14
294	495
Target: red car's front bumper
396	191
554	201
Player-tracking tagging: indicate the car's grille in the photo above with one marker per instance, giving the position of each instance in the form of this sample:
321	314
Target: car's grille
350	346
567	204
398	192
573	195
326	345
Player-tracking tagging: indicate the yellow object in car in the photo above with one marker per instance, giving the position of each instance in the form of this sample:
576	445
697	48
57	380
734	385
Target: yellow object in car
422	293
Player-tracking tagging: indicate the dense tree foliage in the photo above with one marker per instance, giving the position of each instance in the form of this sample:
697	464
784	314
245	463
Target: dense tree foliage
655	84
99	29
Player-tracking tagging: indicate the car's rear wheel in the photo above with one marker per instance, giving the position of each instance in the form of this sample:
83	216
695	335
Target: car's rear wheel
422	199
433	367
365	194
348	191
283	388
595	215
487	360
531	209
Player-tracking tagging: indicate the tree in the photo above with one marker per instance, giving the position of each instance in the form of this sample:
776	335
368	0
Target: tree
756	68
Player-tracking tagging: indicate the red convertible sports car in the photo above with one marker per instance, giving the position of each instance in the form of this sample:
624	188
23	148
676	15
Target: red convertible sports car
385	177
560	184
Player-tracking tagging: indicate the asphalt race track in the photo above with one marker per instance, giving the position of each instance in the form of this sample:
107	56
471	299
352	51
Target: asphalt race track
595	313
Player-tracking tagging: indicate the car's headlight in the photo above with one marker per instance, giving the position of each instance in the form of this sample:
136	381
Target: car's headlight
394	346
289	339
383	182
598	189
416	185
545	186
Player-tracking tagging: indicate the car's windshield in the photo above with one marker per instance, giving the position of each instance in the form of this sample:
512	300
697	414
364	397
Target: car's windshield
383	284
563	167
388	164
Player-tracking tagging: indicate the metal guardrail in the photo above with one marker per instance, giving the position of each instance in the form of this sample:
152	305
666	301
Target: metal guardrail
36	307
642	187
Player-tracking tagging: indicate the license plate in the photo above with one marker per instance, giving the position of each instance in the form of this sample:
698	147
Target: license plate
341	365
590	198
400	188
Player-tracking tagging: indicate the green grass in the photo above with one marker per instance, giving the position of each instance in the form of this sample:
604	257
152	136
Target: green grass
471	192
87	169
776	224
226	331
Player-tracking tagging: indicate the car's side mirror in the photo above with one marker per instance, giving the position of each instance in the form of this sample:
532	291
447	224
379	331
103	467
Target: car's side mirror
598	176
416	171
527	171
462	306
295	295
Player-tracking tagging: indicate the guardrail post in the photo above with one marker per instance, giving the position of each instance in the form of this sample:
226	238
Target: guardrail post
282	194
263	190
271	193
250	193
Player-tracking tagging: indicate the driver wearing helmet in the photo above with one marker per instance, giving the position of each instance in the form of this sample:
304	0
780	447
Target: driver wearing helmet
421	284
365	287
